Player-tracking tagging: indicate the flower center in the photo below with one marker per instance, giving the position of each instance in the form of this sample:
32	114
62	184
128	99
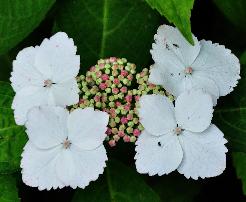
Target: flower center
178	131
188	70
48	83
66	144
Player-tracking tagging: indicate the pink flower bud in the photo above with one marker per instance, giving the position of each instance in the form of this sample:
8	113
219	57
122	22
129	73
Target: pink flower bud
109	131
127	107
129	117
104	77
112	143
137	97
81	101
136	132
124	120
116	81
115	67
93	68
115	90
126	138
101	65
117	103
124	73
103	86
98	74
123	89
130	77
97	98
128	98
112	59
121	133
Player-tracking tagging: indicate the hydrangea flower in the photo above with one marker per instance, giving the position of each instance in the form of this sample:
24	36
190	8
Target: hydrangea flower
180	137
45	75
109	86
63	149
180	66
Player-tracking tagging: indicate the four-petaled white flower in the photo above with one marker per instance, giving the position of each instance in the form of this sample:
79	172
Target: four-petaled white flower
64	149
180	66
45	75
180	137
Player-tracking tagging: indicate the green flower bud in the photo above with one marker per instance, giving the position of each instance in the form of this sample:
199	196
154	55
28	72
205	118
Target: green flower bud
129	130
133	139
117	120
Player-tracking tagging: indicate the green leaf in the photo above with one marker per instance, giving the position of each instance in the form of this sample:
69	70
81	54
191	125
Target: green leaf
18	18
168	188
12	137
8	189
177	12
234	10
107	28
118	184
239	162
230	117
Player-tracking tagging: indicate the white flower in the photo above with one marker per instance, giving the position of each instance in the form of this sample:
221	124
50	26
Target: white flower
45	75
180	66
63	149
180	137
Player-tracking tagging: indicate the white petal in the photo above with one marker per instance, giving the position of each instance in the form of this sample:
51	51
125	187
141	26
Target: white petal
27	98
87	127
88	164
204	153
156	75
66	93
200	81
24	71
157	155
156	113
219	64
194	110
46	126
38	167
56	58
171	45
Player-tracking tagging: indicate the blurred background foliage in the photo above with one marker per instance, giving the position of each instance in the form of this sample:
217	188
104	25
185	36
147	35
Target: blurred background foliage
124	28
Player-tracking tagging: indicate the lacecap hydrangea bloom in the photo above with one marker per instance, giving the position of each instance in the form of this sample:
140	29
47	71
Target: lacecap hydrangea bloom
64	149
180	66
113	86
180	137
45	75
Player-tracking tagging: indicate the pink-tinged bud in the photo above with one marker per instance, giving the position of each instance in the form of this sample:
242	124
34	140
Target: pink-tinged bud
97	98
129	117
127	107
142	74
104	77
116	81
117	103
123	89
115	90
137	98
109	131
128	98
101	65
103	86
112	59
115	67
130	77
93	68
124	73
104	98
121	133
151	85
112	143
81	101
126	138
124	120
99	74
136	132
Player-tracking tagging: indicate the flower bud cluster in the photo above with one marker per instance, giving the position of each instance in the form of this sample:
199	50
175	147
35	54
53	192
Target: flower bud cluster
109	86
